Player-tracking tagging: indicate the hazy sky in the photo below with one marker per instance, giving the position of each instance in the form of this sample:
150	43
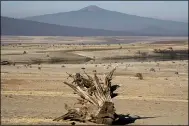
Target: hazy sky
168	10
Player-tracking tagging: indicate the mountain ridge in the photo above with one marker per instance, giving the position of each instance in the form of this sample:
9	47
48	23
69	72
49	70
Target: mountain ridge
13	26
99	18
89	7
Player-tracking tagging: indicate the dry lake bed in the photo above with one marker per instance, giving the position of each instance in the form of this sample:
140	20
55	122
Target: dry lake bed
33	92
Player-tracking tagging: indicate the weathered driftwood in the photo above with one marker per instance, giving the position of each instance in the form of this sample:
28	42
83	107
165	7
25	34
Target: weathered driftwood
95	99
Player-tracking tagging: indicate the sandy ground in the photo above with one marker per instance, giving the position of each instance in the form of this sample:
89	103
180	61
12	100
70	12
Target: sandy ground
33	96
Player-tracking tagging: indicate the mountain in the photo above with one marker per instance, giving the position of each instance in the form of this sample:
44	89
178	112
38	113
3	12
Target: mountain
99	18
11	26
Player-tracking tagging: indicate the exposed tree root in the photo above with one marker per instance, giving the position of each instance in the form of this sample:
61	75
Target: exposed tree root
95	100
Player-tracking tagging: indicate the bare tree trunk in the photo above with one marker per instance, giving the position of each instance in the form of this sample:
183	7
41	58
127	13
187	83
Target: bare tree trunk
95	99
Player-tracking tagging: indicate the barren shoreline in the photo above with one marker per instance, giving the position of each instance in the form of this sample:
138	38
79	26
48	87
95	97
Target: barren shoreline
35	93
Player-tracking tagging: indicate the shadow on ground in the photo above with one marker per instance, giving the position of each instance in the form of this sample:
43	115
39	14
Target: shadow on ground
127	119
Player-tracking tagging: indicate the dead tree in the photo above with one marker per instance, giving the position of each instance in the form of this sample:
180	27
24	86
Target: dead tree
95	99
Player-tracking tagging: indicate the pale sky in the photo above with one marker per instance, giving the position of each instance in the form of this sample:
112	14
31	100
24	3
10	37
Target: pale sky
167	10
